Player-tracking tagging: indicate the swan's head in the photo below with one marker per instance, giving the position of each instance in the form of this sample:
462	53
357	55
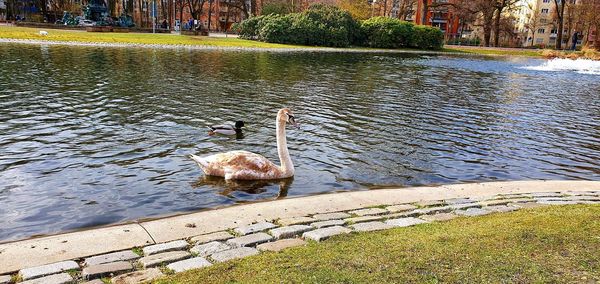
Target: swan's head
285	114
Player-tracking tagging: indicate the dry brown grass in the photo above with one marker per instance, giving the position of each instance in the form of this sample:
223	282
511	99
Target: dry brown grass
585	53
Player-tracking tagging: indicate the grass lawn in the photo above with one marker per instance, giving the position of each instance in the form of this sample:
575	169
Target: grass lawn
136	38
555	244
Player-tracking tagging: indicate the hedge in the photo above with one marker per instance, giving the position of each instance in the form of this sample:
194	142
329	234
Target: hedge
324	25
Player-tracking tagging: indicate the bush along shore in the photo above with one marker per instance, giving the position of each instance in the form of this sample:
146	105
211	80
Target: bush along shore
324	25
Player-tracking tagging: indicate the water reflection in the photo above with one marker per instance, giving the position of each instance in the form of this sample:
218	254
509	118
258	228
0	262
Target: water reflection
99	135
227	187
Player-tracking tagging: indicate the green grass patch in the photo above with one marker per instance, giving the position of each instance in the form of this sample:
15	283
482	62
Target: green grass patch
133	38
554	244
138	251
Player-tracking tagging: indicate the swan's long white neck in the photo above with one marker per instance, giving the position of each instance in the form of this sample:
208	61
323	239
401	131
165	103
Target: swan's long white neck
287	167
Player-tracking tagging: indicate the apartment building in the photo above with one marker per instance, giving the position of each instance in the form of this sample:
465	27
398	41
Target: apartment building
540	27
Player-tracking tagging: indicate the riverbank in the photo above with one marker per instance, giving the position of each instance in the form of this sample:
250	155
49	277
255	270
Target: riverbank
163	241
11	34
530	245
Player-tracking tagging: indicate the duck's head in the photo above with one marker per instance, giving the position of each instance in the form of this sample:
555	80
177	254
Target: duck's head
239	124
285	114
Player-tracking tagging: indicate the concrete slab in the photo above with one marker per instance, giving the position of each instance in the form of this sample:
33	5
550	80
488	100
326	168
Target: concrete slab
325	233
52	268
401	208
163	258
40	251
331	216
369	212
328	223
280	245
5	279
218	236
63	278
362	219
472	212
254	228
249	240
209	248
233	254
106	269
296	221
138	276
192	263
405	222
370	226
289	231
164	247
111	257
439	217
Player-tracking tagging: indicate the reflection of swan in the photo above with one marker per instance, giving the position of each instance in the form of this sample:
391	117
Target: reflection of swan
249	186
244	165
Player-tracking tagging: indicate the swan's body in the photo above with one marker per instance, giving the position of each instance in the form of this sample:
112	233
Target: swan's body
244	165
226	129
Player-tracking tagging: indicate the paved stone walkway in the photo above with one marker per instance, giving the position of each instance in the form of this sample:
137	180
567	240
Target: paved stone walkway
140	264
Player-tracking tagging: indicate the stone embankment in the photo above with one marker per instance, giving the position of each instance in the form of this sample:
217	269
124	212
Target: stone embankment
363	212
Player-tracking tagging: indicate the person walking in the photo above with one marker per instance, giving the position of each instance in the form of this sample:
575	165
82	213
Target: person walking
574	41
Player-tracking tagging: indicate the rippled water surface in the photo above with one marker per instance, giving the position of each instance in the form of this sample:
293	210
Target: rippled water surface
92	136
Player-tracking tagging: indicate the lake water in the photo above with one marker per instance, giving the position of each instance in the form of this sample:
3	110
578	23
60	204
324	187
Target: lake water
92	136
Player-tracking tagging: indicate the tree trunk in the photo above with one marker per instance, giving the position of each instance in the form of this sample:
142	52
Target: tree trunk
597	39
227	18
487	34
560	16
424	11
210	2
497	25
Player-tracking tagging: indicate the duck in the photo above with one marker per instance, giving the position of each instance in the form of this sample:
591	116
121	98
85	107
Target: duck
226	129
244	165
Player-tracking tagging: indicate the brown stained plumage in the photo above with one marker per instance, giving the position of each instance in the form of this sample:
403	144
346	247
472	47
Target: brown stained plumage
242	165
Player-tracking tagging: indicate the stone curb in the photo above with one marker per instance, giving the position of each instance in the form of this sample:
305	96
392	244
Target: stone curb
416	206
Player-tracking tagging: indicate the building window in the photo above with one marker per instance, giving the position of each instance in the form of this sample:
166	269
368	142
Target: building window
545	11
539	40
553	31
541	31
546	1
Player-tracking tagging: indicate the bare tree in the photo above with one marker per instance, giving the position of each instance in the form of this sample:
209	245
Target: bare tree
195	7
483	11
402	9
559	6
501	6
535	20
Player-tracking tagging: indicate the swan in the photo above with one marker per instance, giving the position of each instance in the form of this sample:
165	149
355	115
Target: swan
226	129
244	165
